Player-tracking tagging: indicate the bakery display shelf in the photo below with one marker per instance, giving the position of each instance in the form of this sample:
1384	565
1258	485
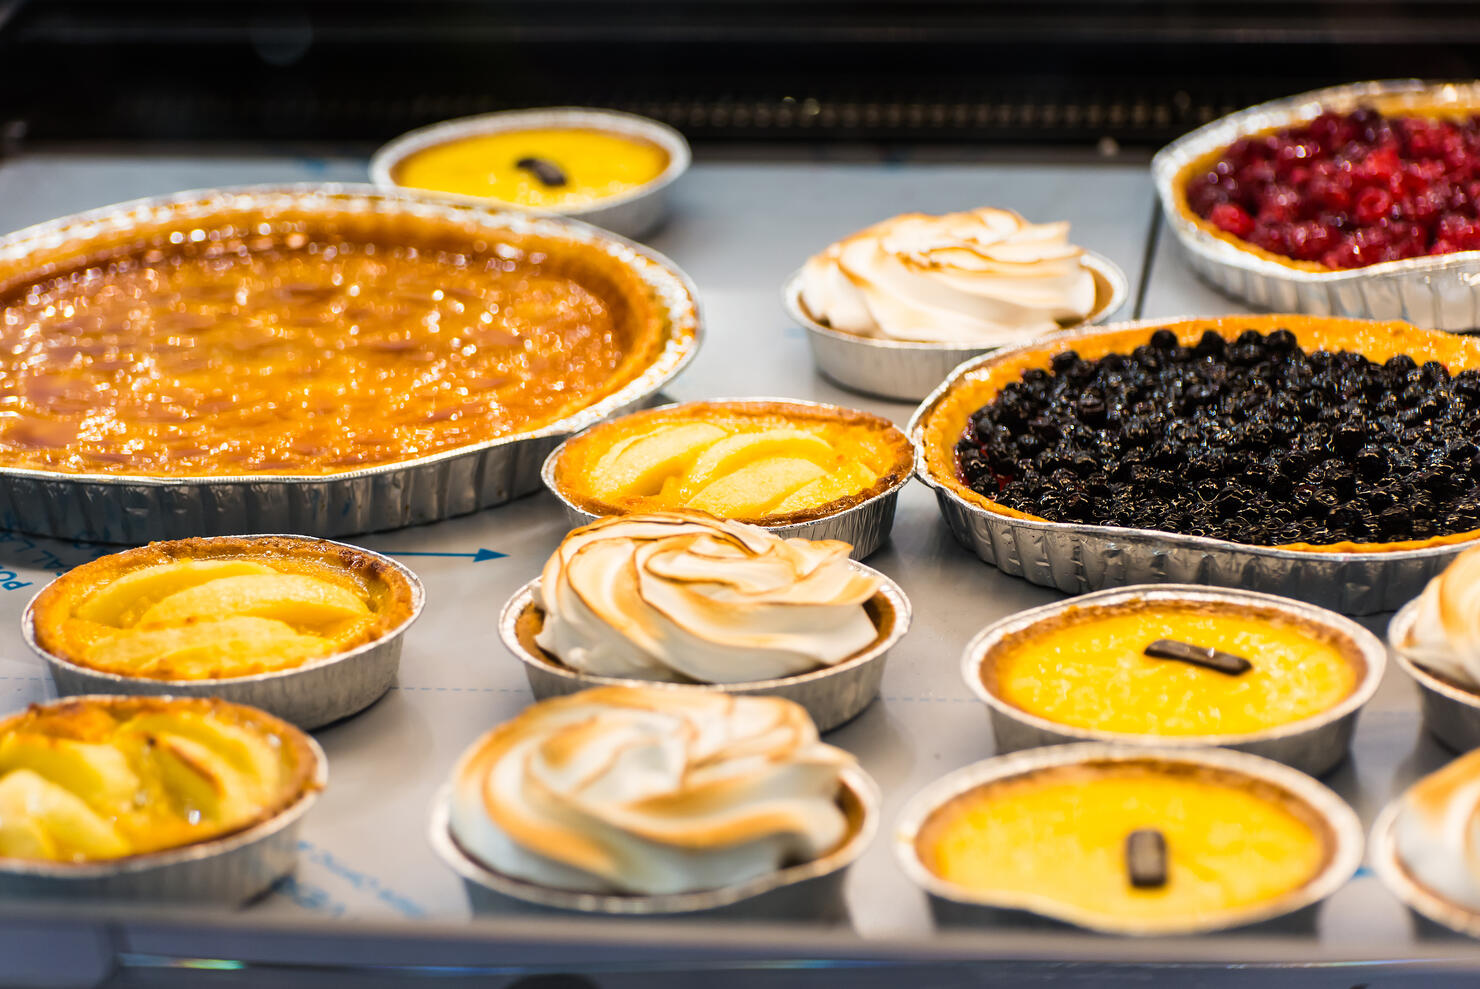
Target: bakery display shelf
370	895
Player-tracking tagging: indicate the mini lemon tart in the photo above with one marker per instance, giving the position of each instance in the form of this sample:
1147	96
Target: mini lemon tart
764	462
221	608
1134	844
102	778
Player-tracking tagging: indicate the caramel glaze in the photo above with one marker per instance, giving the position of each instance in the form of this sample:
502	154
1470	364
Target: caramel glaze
306	342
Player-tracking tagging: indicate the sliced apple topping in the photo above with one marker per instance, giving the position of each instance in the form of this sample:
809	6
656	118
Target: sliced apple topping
292	598
42	820
250	753
97	772
641	466
122	601
206	649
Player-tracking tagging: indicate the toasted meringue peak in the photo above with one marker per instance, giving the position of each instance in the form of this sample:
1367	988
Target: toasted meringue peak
649	790
1437	831
1445	634
686	597
983	277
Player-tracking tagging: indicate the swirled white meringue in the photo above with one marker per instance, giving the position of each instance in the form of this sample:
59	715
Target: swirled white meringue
982	277
686	597
1445	634
1437	831
649	790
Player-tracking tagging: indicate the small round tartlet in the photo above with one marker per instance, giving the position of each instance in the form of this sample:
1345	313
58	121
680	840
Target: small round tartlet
651	800
306	629
1426	844
1061	832
151	798
706	604
891	309
605	167
799	469
1079	670
1436	640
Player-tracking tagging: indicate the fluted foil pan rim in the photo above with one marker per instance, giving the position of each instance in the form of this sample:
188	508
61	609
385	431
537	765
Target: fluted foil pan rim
1287	735
1369	576
816	690
858	783
1345	829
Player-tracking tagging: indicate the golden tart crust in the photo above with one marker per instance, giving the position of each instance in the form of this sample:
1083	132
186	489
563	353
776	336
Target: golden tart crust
108	778
869	443
135	632
944	422
303	341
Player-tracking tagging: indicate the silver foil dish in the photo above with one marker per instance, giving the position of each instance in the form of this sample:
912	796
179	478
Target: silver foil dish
1450	712
908	370
631	214
1441	291
1076	558
953	903
865	525
1390	870
1313	745
309	696
136	509
807	890
832	695
232	869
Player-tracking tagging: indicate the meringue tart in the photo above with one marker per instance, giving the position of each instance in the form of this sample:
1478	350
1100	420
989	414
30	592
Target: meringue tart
103	778
651	791
1133	844
764	462
220	608
310	334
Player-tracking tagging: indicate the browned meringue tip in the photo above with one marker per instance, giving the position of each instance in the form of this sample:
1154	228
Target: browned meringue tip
833	695
807	889
1313	745
906	370
1451	713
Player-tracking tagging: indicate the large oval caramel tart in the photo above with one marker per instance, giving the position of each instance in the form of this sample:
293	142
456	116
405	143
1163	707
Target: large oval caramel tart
268	337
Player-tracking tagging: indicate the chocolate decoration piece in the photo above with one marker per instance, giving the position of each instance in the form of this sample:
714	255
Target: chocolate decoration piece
1204	656
1146	858
546	171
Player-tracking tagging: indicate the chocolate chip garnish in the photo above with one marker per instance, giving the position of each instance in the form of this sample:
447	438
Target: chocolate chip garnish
1146	858
543	169
1204	656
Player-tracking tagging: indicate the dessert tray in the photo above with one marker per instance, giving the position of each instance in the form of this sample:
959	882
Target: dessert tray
373	890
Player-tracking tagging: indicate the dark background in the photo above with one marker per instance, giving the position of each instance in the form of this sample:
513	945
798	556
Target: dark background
721	70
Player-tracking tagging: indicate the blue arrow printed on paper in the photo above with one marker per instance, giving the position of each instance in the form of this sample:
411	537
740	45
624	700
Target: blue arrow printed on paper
478	557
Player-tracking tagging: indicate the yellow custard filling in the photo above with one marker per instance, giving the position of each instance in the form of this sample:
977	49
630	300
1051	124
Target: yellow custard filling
214	609
1090	671
93	779
595	165
749	461
1057	837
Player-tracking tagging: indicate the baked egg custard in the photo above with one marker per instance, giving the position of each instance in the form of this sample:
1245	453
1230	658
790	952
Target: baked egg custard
763	462
97	778
204	609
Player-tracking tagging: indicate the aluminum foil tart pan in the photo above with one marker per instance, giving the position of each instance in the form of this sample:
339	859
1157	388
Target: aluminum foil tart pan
137	509
1450	712
1442	292
956	904
233	869
907	370
832	696
1076	558
1389	867
631	214
865	525
1313	745
309	696
809	890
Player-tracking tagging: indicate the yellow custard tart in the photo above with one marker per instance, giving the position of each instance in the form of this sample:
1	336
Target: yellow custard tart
1130	845
1110	668
101	778
220	608
541	167
764	462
